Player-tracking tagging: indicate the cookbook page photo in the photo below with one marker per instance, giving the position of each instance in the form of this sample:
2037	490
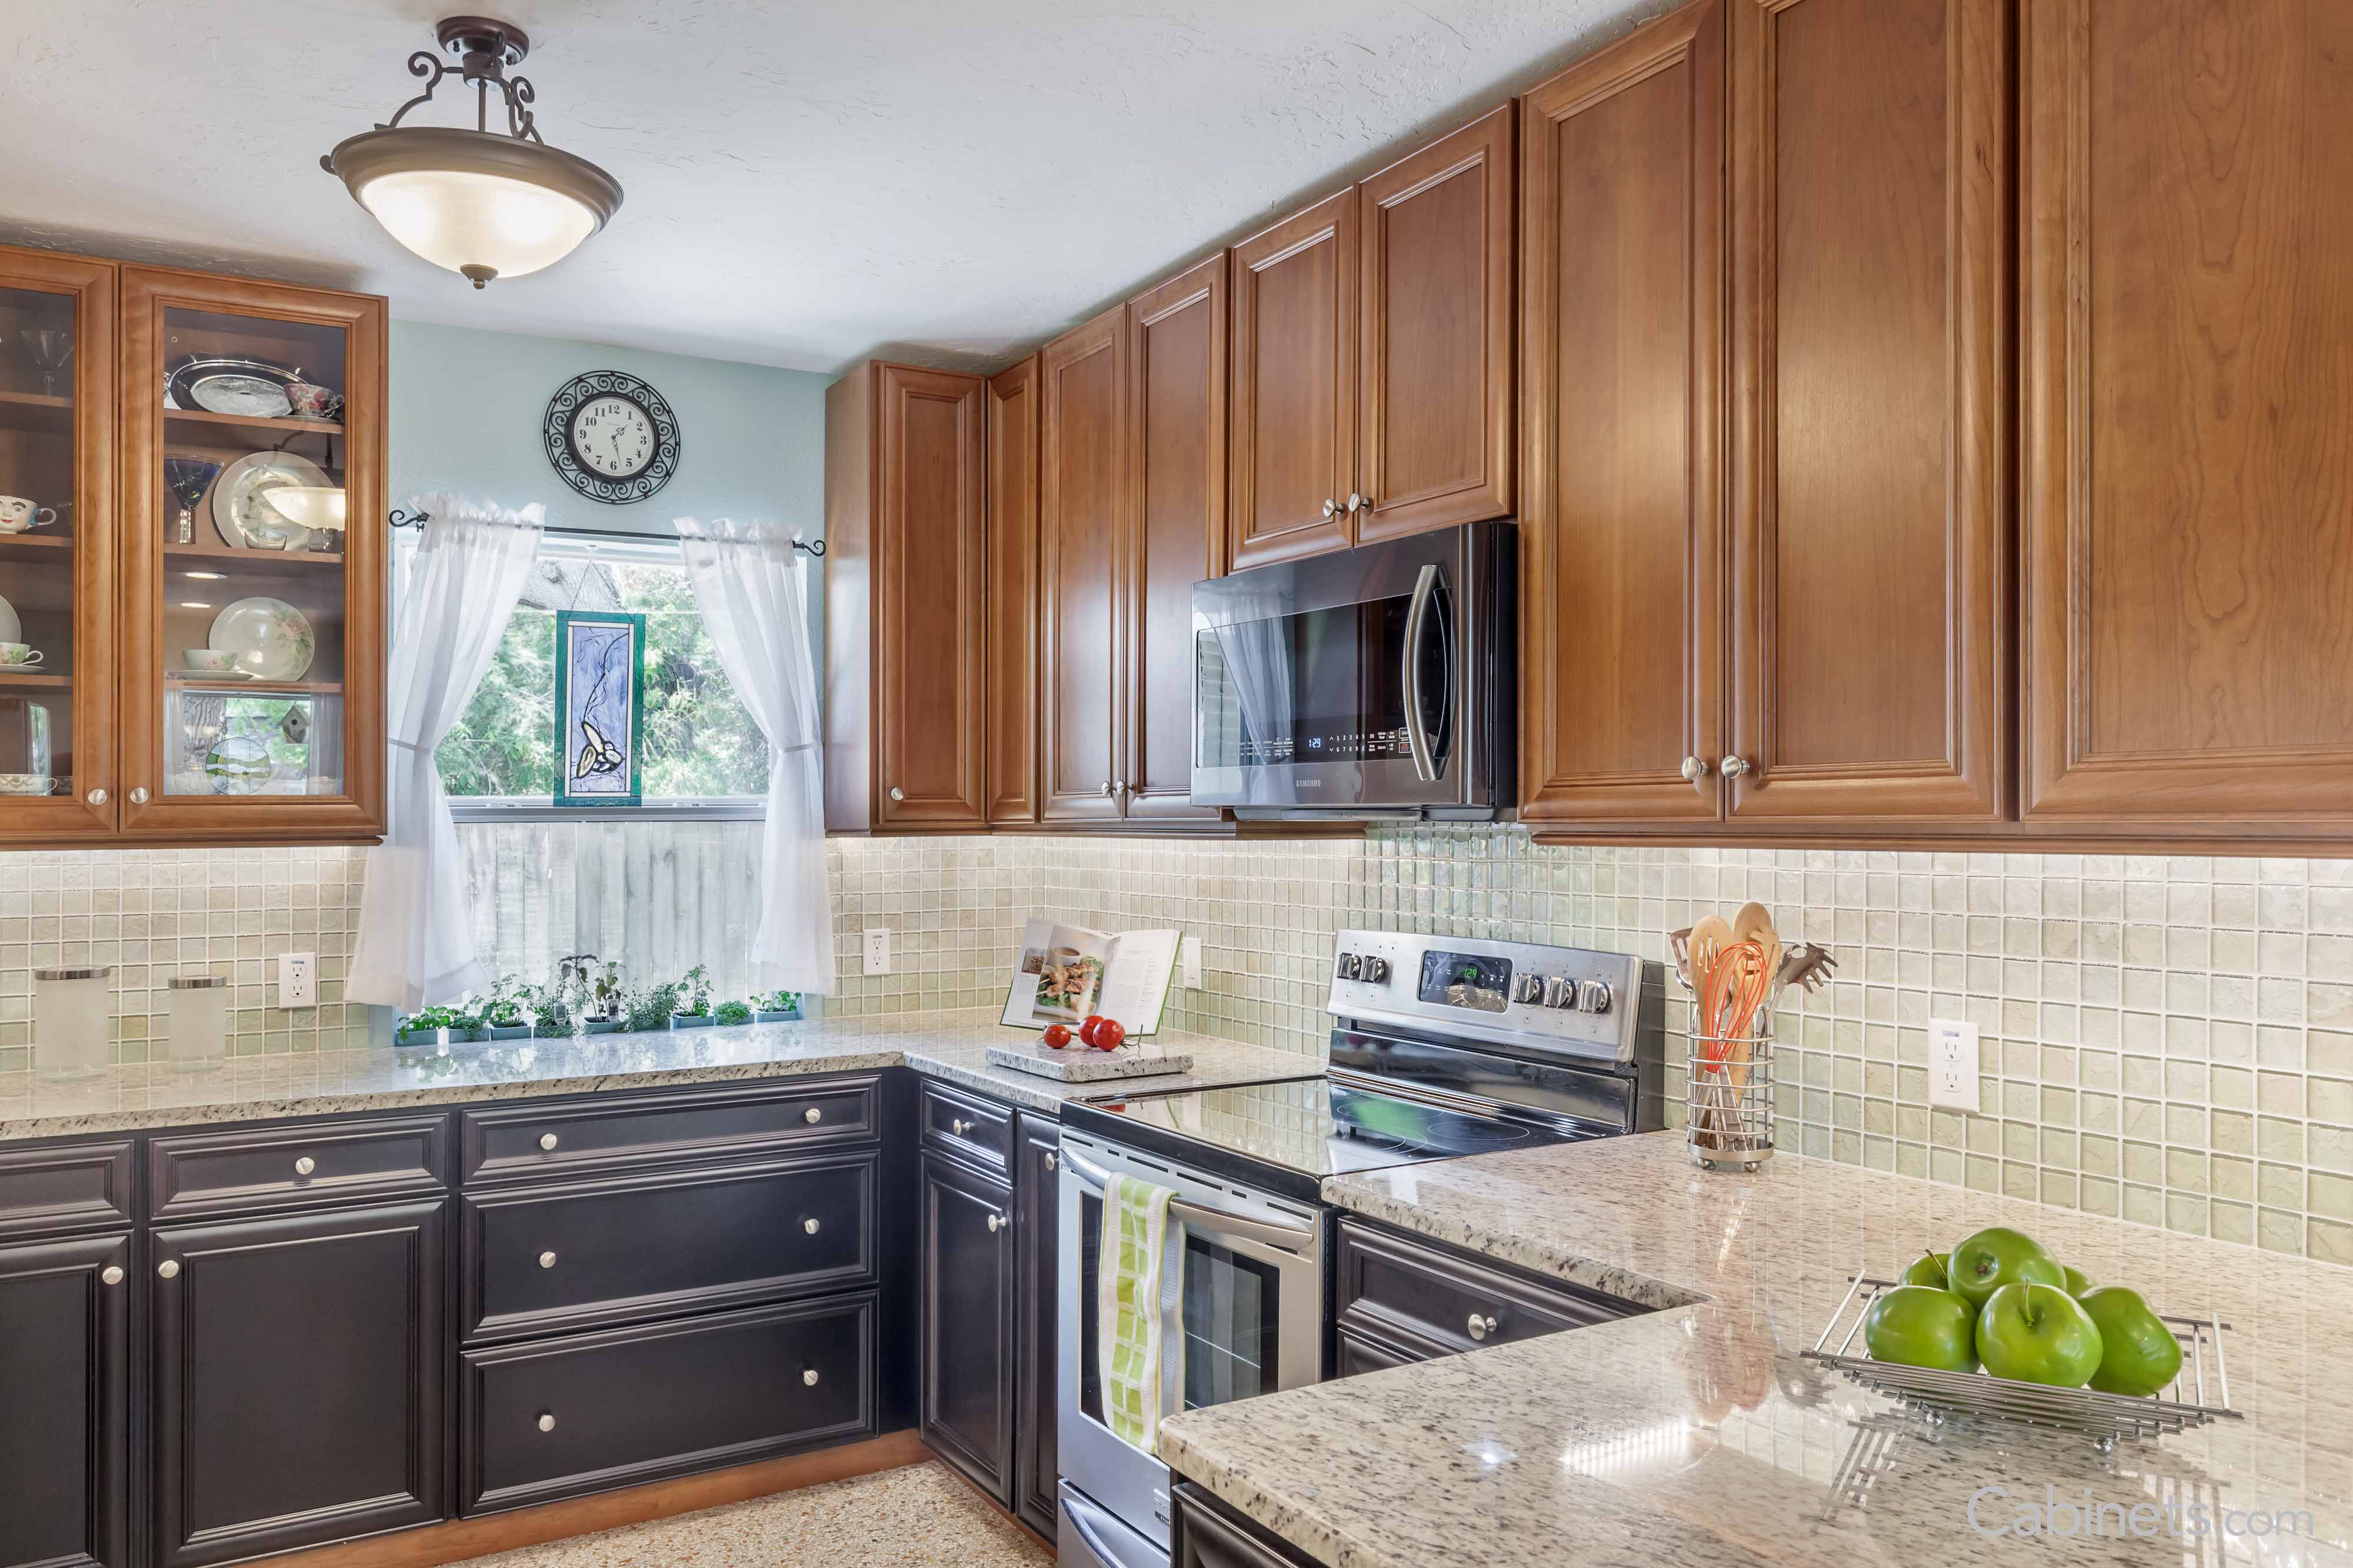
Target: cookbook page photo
1065	972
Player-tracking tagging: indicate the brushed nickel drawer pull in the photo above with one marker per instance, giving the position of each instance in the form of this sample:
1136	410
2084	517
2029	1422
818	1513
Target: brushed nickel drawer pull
546	1422
111	1274
547	1141
959	1126
996	1223
812	1115
305	1165
809	1378
810	1226
547	1260
1482	1327
169	1268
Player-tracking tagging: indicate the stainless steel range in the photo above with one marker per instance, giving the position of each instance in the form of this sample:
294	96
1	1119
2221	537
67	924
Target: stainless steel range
1441	1047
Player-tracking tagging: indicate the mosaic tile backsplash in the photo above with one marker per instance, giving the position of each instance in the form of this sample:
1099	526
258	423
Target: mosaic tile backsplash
2169	1040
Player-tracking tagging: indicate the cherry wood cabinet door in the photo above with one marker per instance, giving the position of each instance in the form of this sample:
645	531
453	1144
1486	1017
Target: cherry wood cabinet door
57	566
1621	350
1012	552
1082	528
1869	558
2186	384
1437	314
1294	385
1176	367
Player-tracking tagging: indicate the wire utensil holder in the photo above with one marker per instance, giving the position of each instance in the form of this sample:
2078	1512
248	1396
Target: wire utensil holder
1729	1096
1935	1394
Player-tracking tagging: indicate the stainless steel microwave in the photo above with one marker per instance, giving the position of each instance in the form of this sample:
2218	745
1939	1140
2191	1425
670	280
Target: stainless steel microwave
1376	682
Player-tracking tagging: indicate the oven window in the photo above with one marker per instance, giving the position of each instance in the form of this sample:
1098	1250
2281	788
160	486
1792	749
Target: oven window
1232	1306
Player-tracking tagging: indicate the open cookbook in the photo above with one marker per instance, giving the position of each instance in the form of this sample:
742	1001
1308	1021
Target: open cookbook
1068	971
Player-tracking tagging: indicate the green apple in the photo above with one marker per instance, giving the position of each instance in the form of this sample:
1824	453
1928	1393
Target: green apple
1919	1325
1984	1263
1930	1270
2077	1281
2038	1333
2138	1353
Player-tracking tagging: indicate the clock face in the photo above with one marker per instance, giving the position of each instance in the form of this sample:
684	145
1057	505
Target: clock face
611	437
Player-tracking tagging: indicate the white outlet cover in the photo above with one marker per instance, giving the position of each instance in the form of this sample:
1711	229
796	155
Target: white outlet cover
878	949
298	980
1953	1065
1188	959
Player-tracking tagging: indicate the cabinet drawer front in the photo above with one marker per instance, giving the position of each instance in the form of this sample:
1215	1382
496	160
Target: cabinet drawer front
1208	1537
539	1259
1354	1354
1398	1290
287	1167
970	1129
553	1418
666	1129
83	1186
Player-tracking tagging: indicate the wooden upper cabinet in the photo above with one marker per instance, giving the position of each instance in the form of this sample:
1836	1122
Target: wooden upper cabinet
1012	473
1620	356
1437	314
906	707
1176	367
2187	370
1293	457
1084	521
1869	558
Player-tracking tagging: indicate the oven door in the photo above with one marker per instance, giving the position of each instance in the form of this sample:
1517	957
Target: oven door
1253	1315
1373	681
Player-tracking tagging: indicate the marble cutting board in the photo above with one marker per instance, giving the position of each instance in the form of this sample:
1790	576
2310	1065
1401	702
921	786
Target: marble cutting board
1080	1064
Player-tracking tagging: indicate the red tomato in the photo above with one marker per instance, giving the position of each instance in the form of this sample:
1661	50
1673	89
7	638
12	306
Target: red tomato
1109	1033
1087	1030
1058	1035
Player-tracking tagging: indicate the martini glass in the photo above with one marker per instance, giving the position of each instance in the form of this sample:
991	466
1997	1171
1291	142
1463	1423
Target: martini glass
52	349
189	478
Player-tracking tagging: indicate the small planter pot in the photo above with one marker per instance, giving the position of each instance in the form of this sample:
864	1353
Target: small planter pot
600	1026
469	1036
505	1031
410	1039
776	1016
689	1020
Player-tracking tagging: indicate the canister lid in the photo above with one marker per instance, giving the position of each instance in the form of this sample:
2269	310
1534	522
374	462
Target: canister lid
103	972
194	982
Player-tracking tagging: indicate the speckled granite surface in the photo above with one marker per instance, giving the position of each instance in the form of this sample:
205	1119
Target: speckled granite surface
1695	1435
954	1046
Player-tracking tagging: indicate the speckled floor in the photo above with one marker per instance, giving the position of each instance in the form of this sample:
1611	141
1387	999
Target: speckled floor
918	1516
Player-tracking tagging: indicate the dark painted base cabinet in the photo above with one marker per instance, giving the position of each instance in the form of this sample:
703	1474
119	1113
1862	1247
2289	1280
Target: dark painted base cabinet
65	1363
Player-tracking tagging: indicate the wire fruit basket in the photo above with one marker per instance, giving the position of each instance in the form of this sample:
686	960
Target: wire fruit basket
1935	1394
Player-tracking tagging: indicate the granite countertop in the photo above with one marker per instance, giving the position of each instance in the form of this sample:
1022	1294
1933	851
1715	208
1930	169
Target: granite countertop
950	1046
1696	1434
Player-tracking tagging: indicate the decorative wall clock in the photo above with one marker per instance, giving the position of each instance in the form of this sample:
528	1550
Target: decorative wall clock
612	436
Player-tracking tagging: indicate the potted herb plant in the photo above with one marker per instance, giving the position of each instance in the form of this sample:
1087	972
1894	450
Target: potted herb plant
466	1021
605	1002
502	1015
423	1027
729	1014
549	1009
777	1008
695	1014
650	1009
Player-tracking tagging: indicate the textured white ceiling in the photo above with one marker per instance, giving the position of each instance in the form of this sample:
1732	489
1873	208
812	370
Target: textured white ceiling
807	183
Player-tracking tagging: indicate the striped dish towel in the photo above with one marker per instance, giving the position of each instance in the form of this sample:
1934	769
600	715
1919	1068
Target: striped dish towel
1140	1289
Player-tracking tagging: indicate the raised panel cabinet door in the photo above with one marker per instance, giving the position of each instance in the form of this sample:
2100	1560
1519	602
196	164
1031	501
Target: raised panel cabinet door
1012	475
1176	366
1036	1230
931	769
1438	316
1870	540
2186	384
967	1323
298	1380
65	1410
1082	525
1621	368
58	571
1294	416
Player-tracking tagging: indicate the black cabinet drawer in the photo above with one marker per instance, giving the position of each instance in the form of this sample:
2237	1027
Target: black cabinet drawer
78	1186
543	1258
968	1127
1208	1535
574	1138
553	1418
1397	1290
210	1173
1353	1353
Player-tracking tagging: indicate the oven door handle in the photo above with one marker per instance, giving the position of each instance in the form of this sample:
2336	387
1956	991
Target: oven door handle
1291	1238
1416	622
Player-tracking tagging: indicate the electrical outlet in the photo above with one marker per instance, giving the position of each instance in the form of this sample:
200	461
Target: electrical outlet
878	949
1952	1065
298	980
1188	959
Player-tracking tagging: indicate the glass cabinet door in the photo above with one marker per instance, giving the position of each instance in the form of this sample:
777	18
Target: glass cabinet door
56	644
254	539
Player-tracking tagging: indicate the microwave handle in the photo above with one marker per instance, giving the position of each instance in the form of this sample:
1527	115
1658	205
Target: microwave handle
1282	1237
1417	618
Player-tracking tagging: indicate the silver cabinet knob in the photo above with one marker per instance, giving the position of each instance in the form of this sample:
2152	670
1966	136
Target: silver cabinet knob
959	1126
809	1378
1331	508
96	797
547	1141
1106	788
1734	767
810	1226
305	1165
1052	1160
139	796
898	793
547	1260
169	1268
1480	1327
996	1223
1694	768
546	1422
1359	503
110	1275
812	1116
1119	786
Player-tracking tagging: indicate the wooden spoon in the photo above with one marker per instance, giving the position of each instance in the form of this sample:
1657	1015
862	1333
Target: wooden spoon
1754	923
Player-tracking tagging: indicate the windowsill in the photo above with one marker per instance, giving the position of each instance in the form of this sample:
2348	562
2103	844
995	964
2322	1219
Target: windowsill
720	809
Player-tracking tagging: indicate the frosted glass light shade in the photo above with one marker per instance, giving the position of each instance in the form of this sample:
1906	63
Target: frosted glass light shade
321	507
481	205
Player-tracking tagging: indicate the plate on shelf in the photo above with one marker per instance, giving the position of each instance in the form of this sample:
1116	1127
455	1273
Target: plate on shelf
270	638
239	765
230	383
244	520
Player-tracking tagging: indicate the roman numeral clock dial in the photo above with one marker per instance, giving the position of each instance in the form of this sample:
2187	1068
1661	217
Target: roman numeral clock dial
611	437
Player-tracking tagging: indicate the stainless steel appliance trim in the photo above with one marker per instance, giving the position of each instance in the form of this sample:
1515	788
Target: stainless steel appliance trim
1295	1239
1088	1535
1417	739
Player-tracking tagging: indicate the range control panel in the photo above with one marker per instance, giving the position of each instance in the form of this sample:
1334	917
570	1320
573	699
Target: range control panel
1568	999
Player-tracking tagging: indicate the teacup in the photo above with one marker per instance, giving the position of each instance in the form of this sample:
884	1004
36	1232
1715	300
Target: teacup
210	660
312	400
17	514
20	653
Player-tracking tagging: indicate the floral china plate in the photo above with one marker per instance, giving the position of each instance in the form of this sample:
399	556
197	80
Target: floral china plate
248	521
270	638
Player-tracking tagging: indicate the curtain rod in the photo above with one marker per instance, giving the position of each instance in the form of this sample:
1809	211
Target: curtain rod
403	518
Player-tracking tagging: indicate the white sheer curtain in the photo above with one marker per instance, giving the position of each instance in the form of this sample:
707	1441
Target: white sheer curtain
749	589
415	940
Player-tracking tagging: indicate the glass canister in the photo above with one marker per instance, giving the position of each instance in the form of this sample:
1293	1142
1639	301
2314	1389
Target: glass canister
199	1023
71	1014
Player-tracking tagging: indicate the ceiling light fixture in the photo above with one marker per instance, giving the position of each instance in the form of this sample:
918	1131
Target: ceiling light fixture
478	202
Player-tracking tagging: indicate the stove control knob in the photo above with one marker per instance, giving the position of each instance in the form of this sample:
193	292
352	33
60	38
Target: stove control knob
1560	991
1351	966
1593	996
1377	970
1527	987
